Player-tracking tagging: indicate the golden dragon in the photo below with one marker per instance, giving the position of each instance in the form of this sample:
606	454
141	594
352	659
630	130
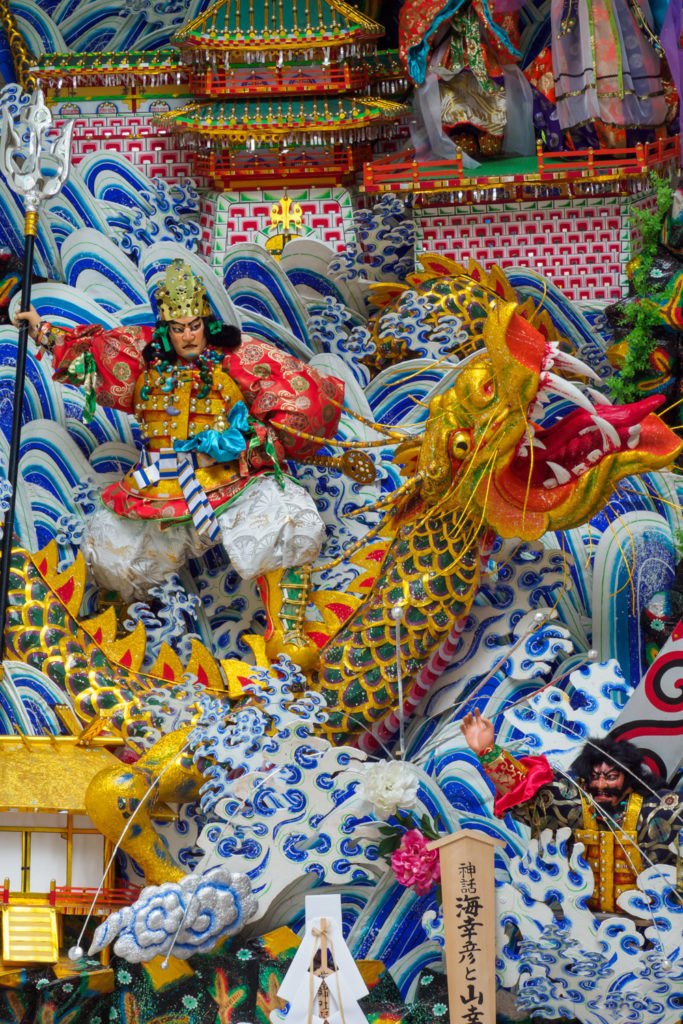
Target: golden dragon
481	467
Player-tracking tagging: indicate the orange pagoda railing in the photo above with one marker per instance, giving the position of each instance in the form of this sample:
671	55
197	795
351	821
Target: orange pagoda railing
74	899
263	168
270	80
563	173
77	900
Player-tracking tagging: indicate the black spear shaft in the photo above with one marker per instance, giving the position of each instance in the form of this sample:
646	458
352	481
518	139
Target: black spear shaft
15	440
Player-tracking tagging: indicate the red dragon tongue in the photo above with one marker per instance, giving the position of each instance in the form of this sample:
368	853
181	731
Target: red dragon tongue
557	477
626	415
608	428
553	458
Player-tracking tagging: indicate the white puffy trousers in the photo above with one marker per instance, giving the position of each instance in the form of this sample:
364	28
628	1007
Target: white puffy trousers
266	527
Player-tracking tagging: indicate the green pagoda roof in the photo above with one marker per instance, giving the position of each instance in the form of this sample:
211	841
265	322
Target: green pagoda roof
293	117
279	24
383	62
110	62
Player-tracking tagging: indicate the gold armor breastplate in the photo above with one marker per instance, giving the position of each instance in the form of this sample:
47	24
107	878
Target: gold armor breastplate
613	856
175	404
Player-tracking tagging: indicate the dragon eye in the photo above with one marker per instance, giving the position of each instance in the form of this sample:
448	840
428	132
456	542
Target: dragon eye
461	444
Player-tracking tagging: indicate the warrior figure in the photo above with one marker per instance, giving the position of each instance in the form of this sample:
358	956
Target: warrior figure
603	80
606	62
219	414
614	809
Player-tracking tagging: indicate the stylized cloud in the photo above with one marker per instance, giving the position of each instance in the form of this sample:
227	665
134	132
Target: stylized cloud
198	912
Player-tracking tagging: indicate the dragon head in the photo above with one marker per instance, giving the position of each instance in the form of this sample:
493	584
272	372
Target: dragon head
482	453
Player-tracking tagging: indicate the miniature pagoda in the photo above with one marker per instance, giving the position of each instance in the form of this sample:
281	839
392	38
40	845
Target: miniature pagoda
281	93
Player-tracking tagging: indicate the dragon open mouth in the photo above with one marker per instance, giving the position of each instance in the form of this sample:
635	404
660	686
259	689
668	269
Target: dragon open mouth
548	464
532	478
578	443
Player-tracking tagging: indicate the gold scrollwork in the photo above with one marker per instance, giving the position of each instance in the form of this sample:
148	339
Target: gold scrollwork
23	59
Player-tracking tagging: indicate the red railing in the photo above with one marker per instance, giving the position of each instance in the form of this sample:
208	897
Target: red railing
596	163
390	173
74	898
396	172
329	165
271	80
79	898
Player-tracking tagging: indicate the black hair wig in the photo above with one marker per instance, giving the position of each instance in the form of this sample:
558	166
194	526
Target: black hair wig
625	756
218	335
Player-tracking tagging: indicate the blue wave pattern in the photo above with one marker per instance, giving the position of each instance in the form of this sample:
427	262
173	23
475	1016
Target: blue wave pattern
104	243
574	965
385	250
274	791
104	25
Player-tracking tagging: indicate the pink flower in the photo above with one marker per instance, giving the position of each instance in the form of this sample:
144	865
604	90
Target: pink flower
413	864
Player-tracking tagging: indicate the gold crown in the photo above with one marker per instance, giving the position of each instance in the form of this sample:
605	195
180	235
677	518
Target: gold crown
181	293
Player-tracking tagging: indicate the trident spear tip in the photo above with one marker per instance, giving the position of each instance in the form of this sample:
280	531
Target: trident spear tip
36	166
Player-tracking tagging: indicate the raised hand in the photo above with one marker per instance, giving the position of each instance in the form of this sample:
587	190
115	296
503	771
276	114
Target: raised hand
478	731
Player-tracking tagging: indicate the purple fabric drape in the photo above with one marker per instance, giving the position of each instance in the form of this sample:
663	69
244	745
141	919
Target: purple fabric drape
670	39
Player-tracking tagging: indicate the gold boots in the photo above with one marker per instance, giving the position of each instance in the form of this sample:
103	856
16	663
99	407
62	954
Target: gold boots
285	594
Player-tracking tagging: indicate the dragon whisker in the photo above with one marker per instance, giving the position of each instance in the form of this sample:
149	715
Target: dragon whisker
462	522
499	566
352	549
652	494
383	428
629	568
669	408
539	307
432	512
590	546
390	499
476	528
424	369
531	463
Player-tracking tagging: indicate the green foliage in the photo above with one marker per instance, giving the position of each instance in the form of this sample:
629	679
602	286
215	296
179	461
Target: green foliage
392	834
643	314
649	223
678	542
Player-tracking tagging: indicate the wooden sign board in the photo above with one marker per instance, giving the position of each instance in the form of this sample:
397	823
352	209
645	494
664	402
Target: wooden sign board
469	913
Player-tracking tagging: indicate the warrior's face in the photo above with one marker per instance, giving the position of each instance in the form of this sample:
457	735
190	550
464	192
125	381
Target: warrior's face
187	336
607	785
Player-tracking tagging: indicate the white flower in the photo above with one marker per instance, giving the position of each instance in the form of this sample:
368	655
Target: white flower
388	785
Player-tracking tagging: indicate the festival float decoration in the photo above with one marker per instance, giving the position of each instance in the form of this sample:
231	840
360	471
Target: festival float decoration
473	463
580	244
54	859
466	863
555	195
541	609
234	107
36	164
653	716
648	320
543	653
66	579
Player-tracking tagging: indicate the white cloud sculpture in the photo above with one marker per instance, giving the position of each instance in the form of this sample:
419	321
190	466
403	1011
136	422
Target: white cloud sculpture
196	912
